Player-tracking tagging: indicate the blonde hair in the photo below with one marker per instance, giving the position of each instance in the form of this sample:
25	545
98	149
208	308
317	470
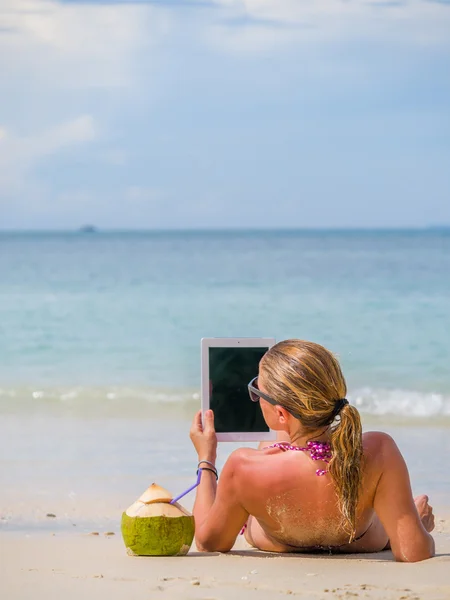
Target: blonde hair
307	380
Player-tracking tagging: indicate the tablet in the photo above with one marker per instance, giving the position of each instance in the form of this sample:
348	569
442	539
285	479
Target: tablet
228	365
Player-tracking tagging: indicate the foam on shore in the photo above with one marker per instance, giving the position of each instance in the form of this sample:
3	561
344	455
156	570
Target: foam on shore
393	405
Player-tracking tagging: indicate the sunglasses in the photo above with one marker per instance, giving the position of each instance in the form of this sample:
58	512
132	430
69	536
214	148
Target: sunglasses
255	394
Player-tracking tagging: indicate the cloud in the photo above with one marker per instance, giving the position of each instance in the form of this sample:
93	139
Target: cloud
77	45
56	60
161	3
20	154
328	21
139	194
19	149
387	3
152	103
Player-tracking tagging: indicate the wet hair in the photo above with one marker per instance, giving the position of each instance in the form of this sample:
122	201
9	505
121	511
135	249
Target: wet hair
307	380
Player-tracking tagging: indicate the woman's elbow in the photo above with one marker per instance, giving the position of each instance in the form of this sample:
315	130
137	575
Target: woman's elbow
416	554
204	544
414	557
212	548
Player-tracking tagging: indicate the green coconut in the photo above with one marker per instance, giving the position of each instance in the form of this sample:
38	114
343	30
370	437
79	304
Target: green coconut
153	527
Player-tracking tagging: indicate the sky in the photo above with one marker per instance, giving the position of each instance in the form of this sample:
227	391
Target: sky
224	113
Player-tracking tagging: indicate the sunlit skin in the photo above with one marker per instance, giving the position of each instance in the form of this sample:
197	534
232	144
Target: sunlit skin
288	508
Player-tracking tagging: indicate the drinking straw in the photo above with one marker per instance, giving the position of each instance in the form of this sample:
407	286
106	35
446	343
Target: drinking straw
199	476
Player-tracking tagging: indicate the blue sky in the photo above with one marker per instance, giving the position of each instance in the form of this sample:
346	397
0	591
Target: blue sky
226	113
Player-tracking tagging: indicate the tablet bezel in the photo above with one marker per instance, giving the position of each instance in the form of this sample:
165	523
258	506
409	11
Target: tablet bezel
206	343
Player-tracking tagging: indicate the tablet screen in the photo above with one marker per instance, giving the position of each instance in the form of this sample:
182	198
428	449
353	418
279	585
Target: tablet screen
230	371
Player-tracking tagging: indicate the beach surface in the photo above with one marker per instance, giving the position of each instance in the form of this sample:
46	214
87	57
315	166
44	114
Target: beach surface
65	482
95	565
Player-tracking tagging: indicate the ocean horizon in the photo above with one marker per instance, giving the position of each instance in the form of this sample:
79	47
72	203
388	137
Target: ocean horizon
98	229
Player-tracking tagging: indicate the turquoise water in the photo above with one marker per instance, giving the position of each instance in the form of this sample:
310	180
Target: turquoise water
100	365
113	320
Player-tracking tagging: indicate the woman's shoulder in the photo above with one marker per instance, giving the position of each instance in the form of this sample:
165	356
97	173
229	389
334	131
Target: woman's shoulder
243	456
244	460
378	439
379	447
238	466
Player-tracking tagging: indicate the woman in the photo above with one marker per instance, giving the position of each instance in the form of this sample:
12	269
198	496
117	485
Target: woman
324	485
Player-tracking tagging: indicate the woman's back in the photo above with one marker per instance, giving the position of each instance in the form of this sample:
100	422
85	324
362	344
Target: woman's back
295	509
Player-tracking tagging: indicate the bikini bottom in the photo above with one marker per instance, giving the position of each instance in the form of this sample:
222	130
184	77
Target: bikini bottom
322	548
318	547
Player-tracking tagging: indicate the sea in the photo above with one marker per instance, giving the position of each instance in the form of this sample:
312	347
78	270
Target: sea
100	351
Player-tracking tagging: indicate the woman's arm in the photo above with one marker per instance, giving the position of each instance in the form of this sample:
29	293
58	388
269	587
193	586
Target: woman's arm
218	513
219	517
394	505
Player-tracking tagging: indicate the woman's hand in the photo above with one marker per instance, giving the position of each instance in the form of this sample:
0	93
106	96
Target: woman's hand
204	437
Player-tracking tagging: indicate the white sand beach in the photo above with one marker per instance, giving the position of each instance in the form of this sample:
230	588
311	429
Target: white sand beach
85	472
95	565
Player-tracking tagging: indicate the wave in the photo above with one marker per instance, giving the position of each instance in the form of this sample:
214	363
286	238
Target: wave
147	402
99	401
400	403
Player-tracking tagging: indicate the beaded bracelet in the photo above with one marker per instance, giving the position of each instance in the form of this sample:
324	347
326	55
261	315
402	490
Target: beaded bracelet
208	469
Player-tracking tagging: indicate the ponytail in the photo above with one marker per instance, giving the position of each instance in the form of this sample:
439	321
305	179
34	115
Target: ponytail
308	381
346	465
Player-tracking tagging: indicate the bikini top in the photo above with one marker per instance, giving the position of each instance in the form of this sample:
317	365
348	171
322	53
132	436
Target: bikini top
318	451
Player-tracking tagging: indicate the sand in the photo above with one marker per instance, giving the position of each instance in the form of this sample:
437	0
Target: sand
74	566
94	474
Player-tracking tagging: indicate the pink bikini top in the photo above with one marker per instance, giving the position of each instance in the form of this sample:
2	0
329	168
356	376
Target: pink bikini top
317	450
